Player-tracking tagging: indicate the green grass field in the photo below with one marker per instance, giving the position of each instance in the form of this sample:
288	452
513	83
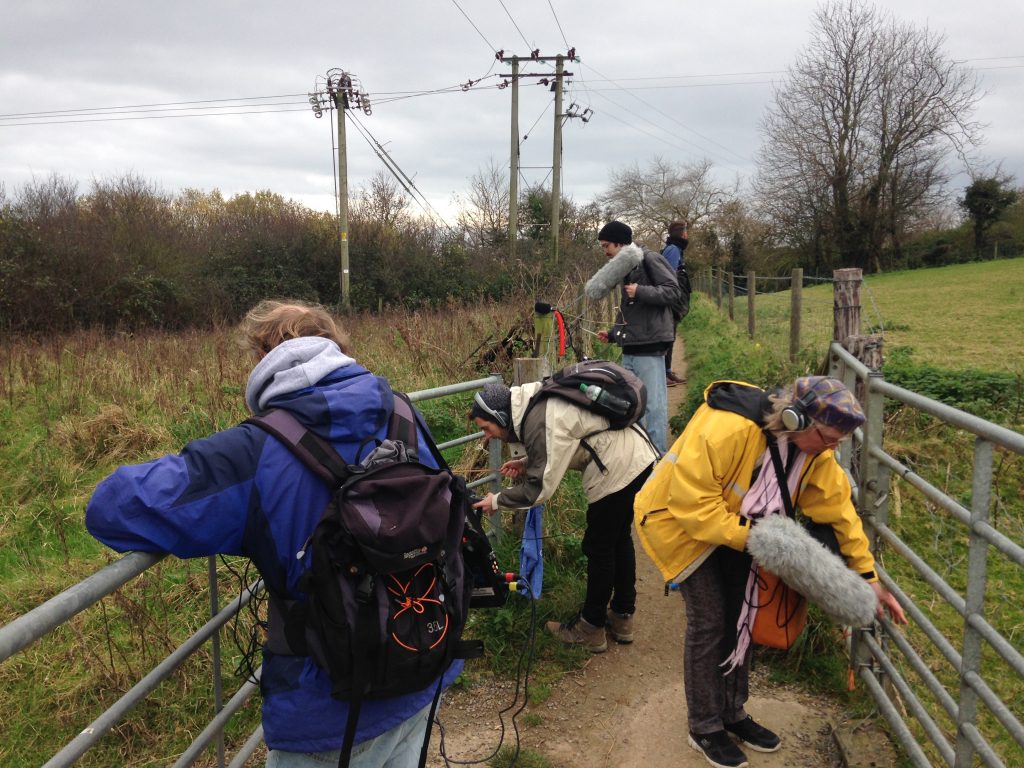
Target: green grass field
961	316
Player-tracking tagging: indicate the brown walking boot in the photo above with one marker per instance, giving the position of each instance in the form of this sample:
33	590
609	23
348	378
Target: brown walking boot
620	626
579	631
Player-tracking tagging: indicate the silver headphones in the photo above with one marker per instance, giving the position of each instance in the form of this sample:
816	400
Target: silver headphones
795	417
500	417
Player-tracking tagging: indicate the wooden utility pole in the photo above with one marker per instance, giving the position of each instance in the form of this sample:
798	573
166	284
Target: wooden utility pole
556	164
341	104
556	161
341	93
513	166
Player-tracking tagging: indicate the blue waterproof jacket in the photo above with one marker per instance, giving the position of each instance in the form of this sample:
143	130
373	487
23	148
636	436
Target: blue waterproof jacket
242	492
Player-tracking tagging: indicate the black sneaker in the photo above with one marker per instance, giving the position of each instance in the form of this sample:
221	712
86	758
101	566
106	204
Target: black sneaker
719	750
754	736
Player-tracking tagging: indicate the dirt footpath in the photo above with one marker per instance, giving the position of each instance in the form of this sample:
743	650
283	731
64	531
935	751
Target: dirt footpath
626	707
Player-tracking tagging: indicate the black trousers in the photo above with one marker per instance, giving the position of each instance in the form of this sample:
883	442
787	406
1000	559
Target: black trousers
611	559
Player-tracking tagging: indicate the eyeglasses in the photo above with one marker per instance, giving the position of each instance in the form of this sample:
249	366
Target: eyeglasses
830	440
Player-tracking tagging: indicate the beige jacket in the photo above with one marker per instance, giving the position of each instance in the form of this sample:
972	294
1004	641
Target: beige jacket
553	436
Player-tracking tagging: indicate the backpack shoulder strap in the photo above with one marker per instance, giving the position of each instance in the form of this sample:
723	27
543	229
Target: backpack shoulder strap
405	421
312	450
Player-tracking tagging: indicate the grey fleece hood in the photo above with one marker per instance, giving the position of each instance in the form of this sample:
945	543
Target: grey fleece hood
290	366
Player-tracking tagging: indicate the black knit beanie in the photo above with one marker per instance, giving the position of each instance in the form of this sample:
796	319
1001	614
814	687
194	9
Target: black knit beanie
494	404
616	232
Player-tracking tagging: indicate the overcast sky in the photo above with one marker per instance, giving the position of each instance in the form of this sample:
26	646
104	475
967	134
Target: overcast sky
681	80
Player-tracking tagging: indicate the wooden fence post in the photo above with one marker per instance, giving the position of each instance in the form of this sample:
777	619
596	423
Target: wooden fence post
846	319
796	288
846	303
543	325
732	294
751	293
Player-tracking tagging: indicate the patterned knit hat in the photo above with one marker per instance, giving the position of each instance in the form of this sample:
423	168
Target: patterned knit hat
493	404
833	405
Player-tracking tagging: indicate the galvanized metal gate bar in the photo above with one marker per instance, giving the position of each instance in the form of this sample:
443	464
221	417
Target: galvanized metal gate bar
873	654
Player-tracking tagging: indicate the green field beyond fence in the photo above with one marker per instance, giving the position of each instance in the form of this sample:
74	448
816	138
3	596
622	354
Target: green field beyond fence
961	316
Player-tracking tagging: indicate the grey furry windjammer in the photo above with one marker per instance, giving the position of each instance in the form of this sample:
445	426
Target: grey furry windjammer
610	276
782	546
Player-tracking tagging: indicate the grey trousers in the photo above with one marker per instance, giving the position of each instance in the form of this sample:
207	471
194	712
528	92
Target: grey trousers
714	595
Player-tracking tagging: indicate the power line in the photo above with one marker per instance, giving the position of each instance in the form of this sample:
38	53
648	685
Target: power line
559	24
491	47
528	43
167	104
154	117
400	176
674	120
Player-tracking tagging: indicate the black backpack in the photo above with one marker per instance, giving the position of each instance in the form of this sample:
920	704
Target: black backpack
388	588
623	397
682	306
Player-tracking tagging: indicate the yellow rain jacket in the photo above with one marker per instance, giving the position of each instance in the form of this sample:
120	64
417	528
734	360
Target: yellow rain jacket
691	502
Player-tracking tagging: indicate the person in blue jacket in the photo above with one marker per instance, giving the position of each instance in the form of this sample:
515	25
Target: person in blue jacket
242	492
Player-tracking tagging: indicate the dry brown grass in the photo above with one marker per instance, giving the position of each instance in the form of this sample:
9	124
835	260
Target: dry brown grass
114	434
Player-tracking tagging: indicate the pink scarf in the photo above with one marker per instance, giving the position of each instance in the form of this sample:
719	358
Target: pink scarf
763	499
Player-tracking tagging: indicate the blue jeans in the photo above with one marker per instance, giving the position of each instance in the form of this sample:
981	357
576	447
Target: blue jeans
398	748
651	370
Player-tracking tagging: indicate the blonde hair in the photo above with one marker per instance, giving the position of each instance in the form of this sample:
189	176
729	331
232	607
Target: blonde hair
773	419
271	322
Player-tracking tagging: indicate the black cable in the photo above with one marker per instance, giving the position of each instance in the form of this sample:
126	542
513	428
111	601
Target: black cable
527	655
253	643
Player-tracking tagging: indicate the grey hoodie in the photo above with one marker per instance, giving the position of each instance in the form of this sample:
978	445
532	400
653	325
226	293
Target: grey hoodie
292	365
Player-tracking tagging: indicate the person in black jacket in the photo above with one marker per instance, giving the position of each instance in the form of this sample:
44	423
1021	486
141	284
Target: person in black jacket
647	292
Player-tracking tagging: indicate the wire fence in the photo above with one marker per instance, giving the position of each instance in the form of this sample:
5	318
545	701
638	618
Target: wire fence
792	316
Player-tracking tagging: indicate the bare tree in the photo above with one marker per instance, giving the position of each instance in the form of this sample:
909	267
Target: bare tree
483	215
383	203
859	133
649	198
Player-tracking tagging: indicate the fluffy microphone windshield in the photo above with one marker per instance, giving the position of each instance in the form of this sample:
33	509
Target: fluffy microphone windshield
783	547
611	274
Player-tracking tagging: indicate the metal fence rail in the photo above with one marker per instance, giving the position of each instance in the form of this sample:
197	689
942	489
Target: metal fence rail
876	650
40	621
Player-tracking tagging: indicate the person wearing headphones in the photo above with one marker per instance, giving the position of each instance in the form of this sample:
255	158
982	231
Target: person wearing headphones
694	514
557	436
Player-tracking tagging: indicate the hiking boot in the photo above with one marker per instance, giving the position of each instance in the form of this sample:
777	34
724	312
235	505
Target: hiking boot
719	750
754	735
673	379
579	631
620	626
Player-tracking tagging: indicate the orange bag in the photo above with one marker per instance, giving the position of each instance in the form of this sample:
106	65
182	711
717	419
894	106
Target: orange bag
781	612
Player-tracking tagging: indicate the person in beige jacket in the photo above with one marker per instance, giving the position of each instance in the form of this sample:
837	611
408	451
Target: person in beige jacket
557	436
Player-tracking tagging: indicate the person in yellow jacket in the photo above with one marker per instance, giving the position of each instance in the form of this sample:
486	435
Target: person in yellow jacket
688	519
